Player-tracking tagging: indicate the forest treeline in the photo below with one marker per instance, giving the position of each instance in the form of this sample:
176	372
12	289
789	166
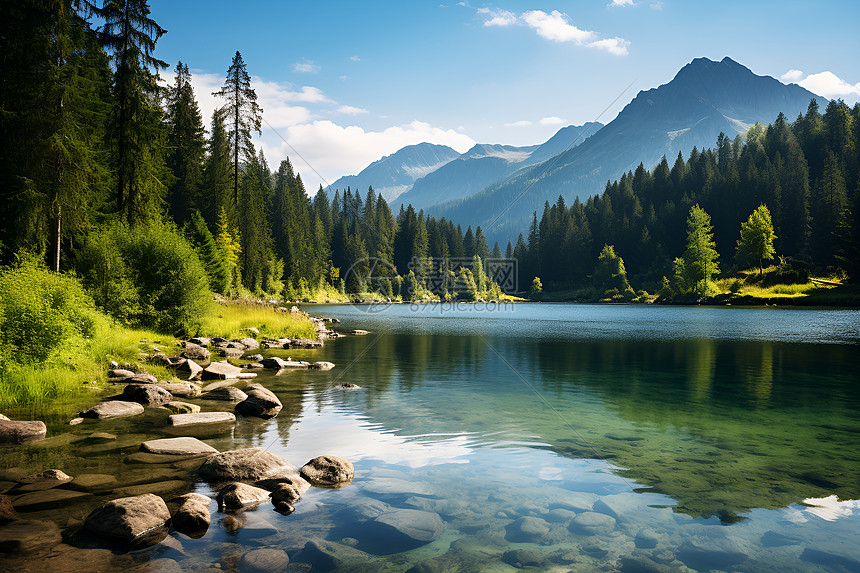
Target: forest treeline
805	172
102	165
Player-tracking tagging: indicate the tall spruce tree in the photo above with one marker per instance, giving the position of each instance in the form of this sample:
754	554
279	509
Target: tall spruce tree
185	141
241	115
217	176
136	133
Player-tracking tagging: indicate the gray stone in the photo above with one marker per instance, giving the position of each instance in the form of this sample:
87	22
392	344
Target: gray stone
255	357
304	343
249	343
592	523
159	565
143	378
359	332
295	364
260	402
182	407
708	558
21	432
113	409
29	537
240	495
128	518
248	464
192	517
146	394
230	352
520	558
322	365
266	560
220	371
560	515
183	446
200	340
201	418
226	394
195	352
120	373
328	471
157	488
273	362
527	530
402	529
182	389
189	370
75	421
645	539
288	488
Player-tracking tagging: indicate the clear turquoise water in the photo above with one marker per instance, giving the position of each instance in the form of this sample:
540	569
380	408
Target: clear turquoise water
701	431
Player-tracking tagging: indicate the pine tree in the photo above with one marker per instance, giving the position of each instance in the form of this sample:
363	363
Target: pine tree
757	235
241	115
830	199
212	257
137	133
217	182
185	141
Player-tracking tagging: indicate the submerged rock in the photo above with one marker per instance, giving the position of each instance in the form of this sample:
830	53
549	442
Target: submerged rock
21	432
248	464
47	479
328	471
266	560
328	555
182	407
128	518
113	409
46	499
260	402
401	529
240	495
29	537
592	523
527	530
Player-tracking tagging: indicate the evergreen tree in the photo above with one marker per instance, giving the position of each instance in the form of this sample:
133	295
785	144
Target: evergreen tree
757	235
241	115
218	195
700	257
610	272
185	141
212	257
136	129
830	199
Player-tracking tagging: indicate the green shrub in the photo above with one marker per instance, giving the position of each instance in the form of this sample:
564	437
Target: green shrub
146	276
40	311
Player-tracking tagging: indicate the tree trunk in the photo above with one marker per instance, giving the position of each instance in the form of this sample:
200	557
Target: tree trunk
57	245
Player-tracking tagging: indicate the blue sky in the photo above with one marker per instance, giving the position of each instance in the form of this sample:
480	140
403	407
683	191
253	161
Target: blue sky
348	82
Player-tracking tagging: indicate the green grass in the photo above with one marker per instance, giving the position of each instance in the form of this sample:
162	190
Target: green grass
233	319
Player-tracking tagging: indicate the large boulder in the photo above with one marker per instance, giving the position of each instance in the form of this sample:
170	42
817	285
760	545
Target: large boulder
265	560
128	518
192	517
527	530
113	409
286	488
221	371
183	446
273	362
226	393
146	394
592	523
248	464
328	471
330	555
196	352
21	432
239	495
322	365
402	529
47	479
260	402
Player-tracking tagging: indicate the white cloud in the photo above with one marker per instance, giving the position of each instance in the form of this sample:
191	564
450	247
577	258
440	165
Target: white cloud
555	27
351	110
355	58
521	123
623	3
831	86
500	18
792	75
334	150
657	5
552	120
306	67
615	46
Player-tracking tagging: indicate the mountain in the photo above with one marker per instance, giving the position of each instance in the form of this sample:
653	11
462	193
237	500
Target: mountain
485	164
395	173
703	99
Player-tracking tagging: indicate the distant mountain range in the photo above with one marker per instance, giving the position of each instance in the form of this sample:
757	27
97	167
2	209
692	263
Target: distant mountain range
498	187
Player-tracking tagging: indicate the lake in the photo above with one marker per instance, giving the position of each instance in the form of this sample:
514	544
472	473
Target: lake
541	436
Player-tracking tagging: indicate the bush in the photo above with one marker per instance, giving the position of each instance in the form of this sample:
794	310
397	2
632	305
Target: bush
146	276
40	311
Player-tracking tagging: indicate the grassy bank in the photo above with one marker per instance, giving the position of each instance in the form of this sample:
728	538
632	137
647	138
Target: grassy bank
80	364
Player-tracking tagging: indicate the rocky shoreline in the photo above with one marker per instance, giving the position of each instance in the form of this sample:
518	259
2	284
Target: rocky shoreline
138	516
